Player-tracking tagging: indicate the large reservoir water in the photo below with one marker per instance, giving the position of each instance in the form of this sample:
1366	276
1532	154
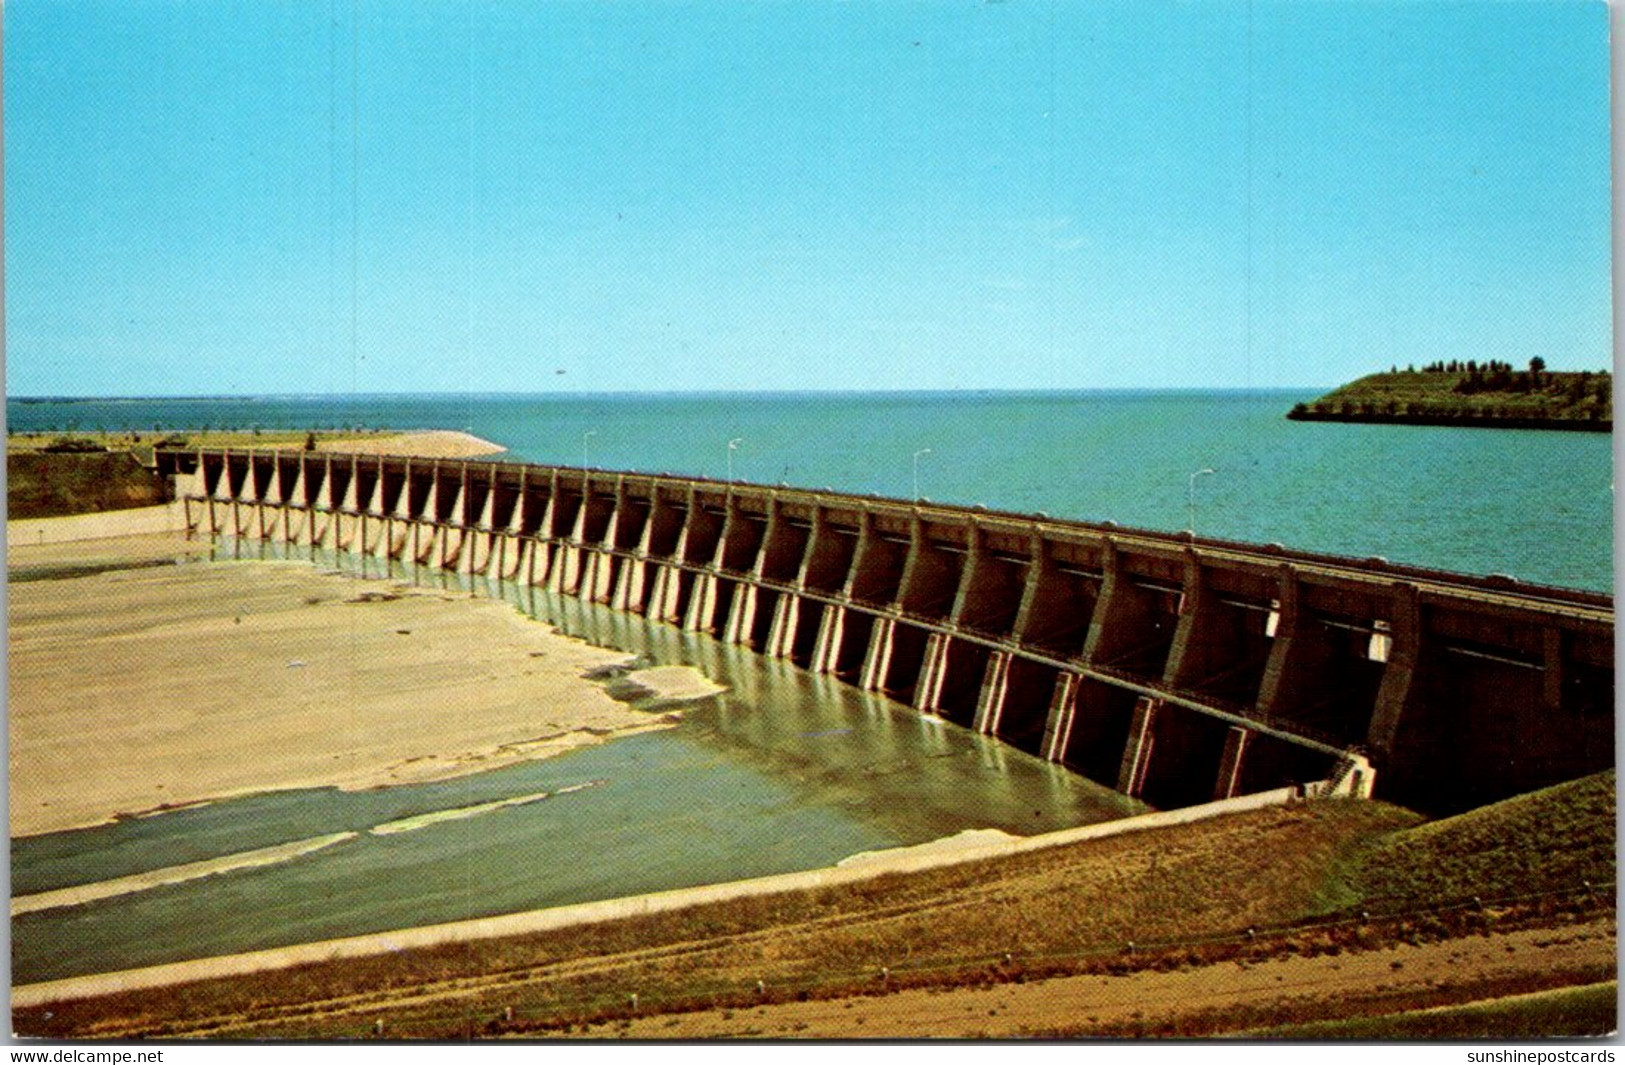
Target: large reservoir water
1536	505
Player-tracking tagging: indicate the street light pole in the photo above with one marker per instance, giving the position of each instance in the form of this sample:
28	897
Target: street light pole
733	445
1190	498
589	432
917	454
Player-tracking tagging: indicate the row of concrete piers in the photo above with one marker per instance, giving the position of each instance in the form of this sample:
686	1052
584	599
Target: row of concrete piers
1171	670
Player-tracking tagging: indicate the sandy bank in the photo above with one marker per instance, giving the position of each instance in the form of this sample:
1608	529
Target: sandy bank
429	443
145	688
674	684
168	519
24	560
971	839
175	874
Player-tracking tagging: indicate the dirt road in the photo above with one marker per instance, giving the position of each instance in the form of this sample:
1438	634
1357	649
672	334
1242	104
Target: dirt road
1456	970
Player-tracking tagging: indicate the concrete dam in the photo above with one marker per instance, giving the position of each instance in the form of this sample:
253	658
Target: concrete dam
1172	668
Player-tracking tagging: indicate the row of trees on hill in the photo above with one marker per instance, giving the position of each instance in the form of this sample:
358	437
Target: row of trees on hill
1473	366
1494	375
1572	387
1502	378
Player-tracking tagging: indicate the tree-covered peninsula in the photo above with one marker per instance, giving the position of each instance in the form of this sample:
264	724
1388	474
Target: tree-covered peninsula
1473	394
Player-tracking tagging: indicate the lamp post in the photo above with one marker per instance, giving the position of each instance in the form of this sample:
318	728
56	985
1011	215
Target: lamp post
917	454
733	445
584	436
1190	497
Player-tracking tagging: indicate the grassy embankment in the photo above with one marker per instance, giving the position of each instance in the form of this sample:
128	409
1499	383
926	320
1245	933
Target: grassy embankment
1502	399
1582	1010
1559	836
40	485
53	474
1247	887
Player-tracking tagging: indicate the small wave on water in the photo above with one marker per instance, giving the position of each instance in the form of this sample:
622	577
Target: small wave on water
459	813
175	874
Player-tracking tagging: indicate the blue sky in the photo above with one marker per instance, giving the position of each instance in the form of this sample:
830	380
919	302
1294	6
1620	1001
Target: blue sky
333	196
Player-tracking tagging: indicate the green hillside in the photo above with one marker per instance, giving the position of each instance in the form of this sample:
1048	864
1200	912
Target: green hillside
1555	839
49	484
1491	395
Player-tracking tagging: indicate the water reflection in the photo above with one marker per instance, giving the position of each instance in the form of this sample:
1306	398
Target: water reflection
827	738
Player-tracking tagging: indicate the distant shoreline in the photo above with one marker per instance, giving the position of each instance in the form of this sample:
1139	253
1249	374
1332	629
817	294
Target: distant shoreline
1464	421
688	393
1471	395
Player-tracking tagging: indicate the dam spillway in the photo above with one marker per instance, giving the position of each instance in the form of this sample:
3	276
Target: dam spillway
1172	668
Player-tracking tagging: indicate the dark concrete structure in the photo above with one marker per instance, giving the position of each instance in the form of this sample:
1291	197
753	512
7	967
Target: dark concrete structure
1171	668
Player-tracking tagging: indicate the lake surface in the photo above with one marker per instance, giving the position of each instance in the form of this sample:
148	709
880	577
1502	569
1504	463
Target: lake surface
784	771
1537	505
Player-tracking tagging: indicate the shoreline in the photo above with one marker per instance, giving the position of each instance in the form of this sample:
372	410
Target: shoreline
424	443
525	751
429	443
1465	421
214	680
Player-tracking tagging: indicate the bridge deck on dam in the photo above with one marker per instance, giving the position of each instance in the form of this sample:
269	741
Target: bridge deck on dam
1173	668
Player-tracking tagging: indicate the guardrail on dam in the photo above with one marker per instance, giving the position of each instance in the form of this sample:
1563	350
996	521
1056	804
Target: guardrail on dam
1172	668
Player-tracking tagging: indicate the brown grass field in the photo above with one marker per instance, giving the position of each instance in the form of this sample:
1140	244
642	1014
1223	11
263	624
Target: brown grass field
1304	882
138	441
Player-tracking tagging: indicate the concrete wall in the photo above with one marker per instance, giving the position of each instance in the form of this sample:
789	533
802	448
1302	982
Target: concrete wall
1176	668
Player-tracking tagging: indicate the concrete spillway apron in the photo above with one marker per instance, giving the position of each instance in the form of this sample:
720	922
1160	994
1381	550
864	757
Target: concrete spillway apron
902	860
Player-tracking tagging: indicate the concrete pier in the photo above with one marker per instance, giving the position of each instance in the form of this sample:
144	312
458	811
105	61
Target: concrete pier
1173	668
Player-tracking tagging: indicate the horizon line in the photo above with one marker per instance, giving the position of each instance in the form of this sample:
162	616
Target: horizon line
666	393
